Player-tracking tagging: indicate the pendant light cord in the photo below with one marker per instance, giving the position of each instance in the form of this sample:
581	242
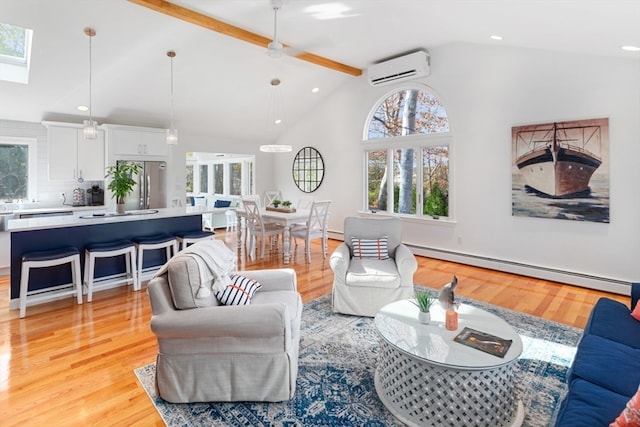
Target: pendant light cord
90	32
90	82
171	56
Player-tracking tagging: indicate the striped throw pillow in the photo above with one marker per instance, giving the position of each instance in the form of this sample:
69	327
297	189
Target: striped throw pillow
239	291
370	248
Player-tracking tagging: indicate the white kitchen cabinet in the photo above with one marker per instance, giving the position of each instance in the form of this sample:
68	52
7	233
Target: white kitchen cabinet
138	142
72	156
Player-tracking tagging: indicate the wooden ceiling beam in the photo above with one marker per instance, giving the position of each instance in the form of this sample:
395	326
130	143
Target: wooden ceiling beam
218	26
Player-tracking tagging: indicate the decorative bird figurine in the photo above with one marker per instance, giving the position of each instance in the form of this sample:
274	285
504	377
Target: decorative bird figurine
447	295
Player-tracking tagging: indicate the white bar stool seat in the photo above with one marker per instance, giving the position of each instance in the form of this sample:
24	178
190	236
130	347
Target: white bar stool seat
108	250
157	241
185	239
50	258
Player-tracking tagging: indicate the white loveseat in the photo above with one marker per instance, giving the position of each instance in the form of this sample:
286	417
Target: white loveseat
218	217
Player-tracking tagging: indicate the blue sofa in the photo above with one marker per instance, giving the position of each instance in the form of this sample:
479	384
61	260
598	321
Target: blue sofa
605	373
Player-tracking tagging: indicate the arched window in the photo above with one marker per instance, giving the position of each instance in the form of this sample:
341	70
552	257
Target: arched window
407	138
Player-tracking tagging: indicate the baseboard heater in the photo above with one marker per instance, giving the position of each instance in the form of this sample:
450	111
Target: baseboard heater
569	277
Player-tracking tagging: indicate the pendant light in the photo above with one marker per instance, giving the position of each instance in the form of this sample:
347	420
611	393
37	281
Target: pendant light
276	117
90	127
172	132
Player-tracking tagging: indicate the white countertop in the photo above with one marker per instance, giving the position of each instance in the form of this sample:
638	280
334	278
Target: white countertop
86	217
63	208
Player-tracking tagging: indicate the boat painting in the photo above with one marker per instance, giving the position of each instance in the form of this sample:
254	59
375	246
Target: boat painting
554	163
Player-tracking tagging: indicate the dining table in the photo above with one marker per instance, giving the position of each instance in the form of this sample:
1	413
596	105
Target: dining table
286	219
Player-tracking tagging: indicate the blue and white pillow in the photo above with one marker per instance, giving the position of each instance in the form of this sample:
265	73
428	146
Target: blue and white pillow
370	248
238	291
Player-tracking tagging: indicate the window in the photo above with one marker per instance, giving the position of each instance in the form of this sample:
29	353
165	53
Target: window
218	173
189	178
204	178
218	178
18	169
15	52
235	177
407	144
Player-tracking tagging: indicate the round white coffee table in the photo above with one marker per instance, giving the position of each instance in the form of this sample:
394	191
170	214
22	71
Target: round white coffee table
425	378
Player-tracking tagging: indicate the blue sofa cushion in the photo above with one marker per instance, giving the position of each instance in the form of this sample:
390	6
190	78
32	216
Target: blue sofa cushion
222	203
608	364
586	404
612	320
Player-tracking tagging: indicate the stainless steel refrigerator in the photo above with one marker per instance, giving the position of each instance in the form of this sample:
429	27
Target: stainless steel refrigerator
151	190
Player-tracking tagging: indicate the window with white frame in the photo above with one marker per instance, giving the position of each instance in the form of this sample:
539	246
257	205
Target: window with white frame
18	169
189	178
230	177
15	53
407	154
203	172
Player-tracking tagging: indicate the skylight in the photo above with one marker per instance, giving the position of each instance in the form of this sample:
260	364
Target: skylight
328	11
15	53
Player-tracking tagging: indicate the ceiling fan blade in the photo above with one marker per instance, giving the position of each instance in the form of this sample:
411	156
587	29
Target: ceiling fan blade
221	27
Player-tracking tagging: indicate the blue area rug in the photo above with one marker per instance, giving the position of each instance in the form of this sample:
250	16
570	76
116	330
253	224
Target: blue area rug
336	369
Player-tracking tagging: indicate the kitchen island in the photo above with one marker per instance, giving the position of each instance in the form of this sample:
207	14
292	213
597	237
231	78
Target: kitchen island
52	232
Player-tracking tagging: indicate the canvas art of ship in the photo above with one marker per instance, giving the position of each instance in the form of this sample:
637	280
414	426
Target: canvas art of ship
561	157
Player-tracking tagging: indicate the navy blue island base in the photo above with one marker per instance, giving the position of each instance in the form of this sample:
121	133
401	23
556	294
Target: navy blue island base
82	235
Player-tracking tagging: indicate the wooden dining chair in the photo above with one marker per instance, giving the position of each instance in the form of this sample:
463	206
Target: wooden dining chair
315	228
270	196
257	228
305	202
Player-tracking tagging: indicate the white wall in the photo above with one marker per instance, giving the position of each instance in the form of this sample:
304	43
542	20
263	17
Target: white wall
487	90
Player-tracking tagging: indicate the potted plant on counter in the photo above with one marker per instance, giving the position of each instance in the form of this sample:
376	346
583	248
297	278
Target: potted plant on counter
121	182
423	300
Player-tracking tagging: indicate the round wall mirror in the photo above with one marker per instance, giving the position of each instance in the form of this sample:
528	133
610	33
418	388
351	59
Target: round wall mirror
308	169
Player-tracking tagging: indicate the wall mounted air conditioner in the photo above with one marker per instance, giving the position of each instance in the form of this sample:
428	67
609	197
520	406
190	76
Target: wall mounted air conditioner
407	67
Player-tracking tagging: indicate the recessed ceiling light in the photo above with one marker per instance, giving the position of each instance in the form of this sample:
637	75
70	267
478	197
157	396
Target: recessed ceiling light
82	108
495	37
315	90
631	48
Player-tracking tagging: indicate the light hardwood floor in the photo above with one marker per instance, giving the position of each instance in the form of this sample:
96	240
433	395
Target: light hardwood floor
72	365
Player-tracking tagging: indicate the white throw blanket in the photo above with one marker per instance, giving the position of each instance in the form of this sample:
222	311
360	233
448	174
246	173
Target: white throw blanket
215	262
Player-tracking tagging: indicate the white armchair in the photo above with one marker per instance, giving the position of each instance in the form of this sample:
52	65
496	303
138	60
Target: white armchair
225	353
363	283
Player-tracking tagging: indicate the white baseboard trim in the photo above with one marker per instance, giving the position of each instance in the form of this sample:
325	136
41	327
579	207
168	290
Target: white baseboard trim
569	277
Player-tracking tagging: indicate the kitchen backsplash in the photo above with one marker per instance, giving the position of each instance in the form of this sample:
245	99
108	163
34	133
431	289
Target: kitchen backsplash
51	197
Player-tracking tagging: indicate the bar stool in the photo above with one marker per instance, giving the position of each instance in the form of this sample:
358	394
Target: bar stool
157	241
50	258
185	239
108	250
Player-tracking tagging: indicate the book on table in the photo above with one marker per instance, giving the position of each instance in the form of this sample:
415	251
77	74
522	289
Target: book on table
483	341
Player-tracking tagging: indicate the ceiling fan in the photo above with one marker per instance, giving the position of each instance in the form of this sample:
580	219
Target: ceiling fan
213	24
275	49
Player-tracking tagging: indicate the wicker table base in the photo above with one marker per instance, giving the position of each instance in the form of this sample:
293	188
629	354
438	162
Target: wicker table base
419	394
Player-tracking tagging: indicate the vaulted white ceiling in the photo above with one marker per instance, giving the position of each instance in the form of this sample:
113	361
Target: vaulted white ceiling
222	84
